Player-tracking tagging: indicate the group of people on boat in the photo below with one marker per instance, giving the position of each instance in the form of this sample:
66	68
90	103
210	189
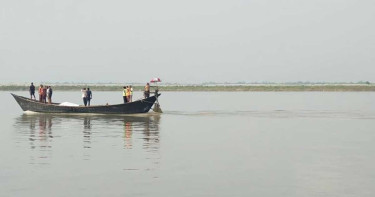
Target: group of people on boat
45	92
127	94
86	96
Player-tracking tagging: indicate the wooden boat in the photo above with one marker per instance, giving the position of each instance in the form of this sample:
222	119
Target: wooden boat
139	106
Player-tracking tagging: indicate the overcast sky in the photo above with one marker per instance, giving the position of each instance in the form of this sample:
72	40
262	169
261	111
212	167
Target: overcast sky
189	41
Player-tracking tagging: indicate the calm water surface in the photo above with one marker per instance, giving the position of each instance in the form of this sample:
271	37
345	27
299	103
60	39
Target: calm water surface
205	144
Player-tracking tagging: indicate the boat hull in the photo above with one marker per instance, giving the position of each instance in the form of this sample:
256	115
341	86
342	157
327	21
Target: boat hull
139	106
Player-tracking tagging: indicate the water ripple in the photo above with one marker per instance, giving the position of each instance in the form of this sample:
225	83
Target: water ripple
281	114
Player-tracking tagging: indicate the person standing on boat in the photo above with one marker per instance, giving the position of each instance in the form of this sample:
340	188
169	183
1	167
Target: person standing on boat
40	92
44	93
131	93
32	91
147	90
84	96
49	94
88	96
124	94
128	94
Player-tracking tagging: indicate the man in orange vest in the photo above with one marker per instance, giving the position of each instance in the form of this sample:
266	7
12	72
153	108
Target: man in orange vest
40	92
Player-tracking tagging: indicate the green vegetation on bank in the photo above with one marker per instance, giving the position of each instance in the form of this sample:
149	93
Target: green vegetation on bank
255	88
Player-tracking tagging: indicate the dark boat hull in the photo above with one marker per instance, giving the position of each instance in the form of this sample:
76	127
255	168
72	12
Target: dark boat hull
139	106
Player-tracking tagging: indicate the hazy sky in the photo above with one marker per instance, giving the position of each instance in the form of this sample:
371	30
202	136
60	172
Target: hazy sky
187	41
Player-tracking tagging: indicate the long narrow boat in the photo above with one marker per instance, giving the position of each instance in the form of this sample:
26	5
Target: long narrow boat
139	106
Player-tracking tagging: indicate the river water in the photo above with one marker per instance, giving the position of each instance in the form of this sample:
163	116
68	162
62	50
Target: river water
204	144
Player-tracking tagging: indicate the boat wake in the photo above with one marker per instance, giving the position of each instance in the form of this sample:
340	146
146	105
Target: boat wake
280	114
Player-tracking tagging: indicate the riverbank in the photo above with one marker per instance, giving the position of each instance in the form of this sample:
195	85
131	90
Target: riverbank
217	88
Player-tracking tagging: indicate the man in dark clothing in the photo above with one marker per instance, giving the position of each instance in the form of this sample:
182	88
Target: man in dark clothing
49	94
32	91
88	96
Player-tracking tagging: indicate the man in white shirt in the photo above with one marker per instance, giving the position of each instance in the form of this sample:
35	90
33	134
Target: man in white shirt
84	96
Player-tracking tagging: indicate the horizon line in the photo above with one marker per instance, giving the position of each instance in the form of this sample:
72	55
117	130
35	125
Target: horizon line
188	83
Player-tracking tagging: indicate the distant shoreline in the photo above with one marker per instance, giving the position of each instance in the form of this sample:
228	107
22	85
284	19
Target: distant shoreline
215	88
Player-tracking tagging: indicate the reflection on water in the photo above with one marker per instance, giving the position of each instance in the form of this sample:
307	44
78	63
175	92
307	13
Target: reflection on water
37	131
86	132
42	131
128	135
261	144
148	126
